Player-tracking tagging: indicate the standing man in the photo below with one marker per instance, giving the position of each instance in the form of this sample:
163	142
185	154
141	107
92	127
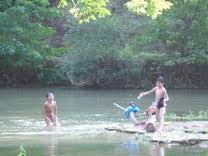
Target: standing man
161	97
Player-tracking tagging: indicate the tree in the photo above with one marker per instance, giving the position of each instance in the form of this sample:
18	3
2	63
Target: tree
93	59
24	38
179	37
86	10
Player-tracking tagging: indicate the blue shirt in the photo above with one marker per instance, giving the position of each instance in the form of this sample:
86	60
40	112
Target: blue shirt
131	108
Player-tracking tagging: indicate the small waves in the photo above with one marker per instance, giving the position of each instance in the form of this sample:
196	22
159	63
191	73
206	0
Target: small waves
27	127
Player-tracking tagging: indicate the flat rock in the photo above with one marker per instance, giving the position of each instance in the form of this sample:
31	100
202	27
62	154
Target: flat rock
185	133
127	128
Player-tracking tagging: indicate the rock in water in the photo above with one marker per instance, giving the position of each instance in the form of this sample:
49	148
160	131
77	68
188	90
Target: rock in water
182	133
150	127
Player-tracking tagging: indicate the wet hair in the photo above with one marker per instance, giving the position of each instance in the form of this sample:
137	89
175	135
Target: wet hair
47	95
160	79
132	103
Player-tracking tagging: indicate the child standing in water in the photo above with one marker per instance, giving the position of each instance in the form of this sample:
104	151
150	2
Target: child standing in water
50	110
161	97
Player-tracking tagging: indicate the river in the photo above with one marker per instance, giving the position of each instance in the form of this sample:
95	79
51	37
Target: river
83	114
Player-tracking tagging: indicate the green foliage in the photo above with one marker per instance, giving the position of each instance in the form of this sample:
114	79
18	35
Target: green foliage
164	46
178	38
87	10
24	38
94	57
152	8
121	50
49	75
21	151
183	28
190	116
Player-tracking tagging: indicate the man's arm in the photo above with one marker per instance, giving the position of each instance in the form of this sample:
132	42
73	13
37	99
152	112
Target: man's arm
166	97
147	93
55	110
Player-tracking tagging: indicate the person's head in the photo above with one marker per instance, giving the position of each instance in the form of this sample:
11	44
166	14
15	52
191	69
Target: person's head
160	81
132	103
50	96
151	111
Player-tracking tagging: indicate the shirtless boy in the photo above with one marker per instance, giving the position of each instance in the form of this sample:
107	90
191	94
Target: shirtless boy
50	110
161	97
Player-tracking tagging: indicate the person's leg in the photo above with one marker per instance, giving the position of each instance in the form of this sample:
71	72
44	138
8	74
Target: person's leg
158	115
161	118
57	122
133	119
53	120
47	120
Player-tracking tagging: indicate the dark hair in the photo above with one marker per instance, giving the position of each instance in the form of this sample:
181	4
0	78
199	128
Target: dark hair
132	103
160	79
47	95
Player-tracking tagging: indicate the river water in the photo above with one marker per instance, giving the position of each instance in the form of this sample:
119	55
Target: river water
83	115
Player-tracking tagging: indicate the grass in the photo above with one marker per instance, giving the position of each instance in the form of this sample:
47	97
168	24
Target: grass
201	115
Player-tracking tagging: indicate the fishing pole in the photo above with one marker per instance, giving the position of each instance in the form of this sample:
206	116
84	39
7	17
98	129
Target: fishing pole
125	109
117	105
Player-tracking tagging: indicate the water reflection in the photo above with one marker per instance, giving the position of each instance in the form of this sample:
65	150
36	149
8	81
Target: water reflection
52	145
131	146
134	148
158	150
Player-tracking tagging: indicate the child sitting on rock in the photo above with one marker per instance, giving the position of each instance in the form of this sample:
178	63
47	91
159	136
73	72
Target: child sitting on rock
130	111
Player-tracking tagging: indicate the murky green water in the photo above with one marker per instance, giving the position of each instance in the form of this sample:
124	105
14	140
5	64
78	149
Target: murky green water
83	115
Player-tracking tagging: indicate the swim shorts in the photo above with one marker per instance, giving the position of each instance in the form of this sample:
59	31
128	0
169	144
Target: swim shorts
160	103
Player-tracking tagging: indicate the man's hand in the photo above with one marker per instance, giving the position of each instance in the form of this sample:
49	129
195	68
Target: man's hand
141	95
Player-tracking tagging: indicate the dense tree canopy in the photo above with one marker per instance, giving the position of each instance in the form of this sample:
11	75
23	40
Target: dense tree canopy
129	46
86	10
167	45
24	34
